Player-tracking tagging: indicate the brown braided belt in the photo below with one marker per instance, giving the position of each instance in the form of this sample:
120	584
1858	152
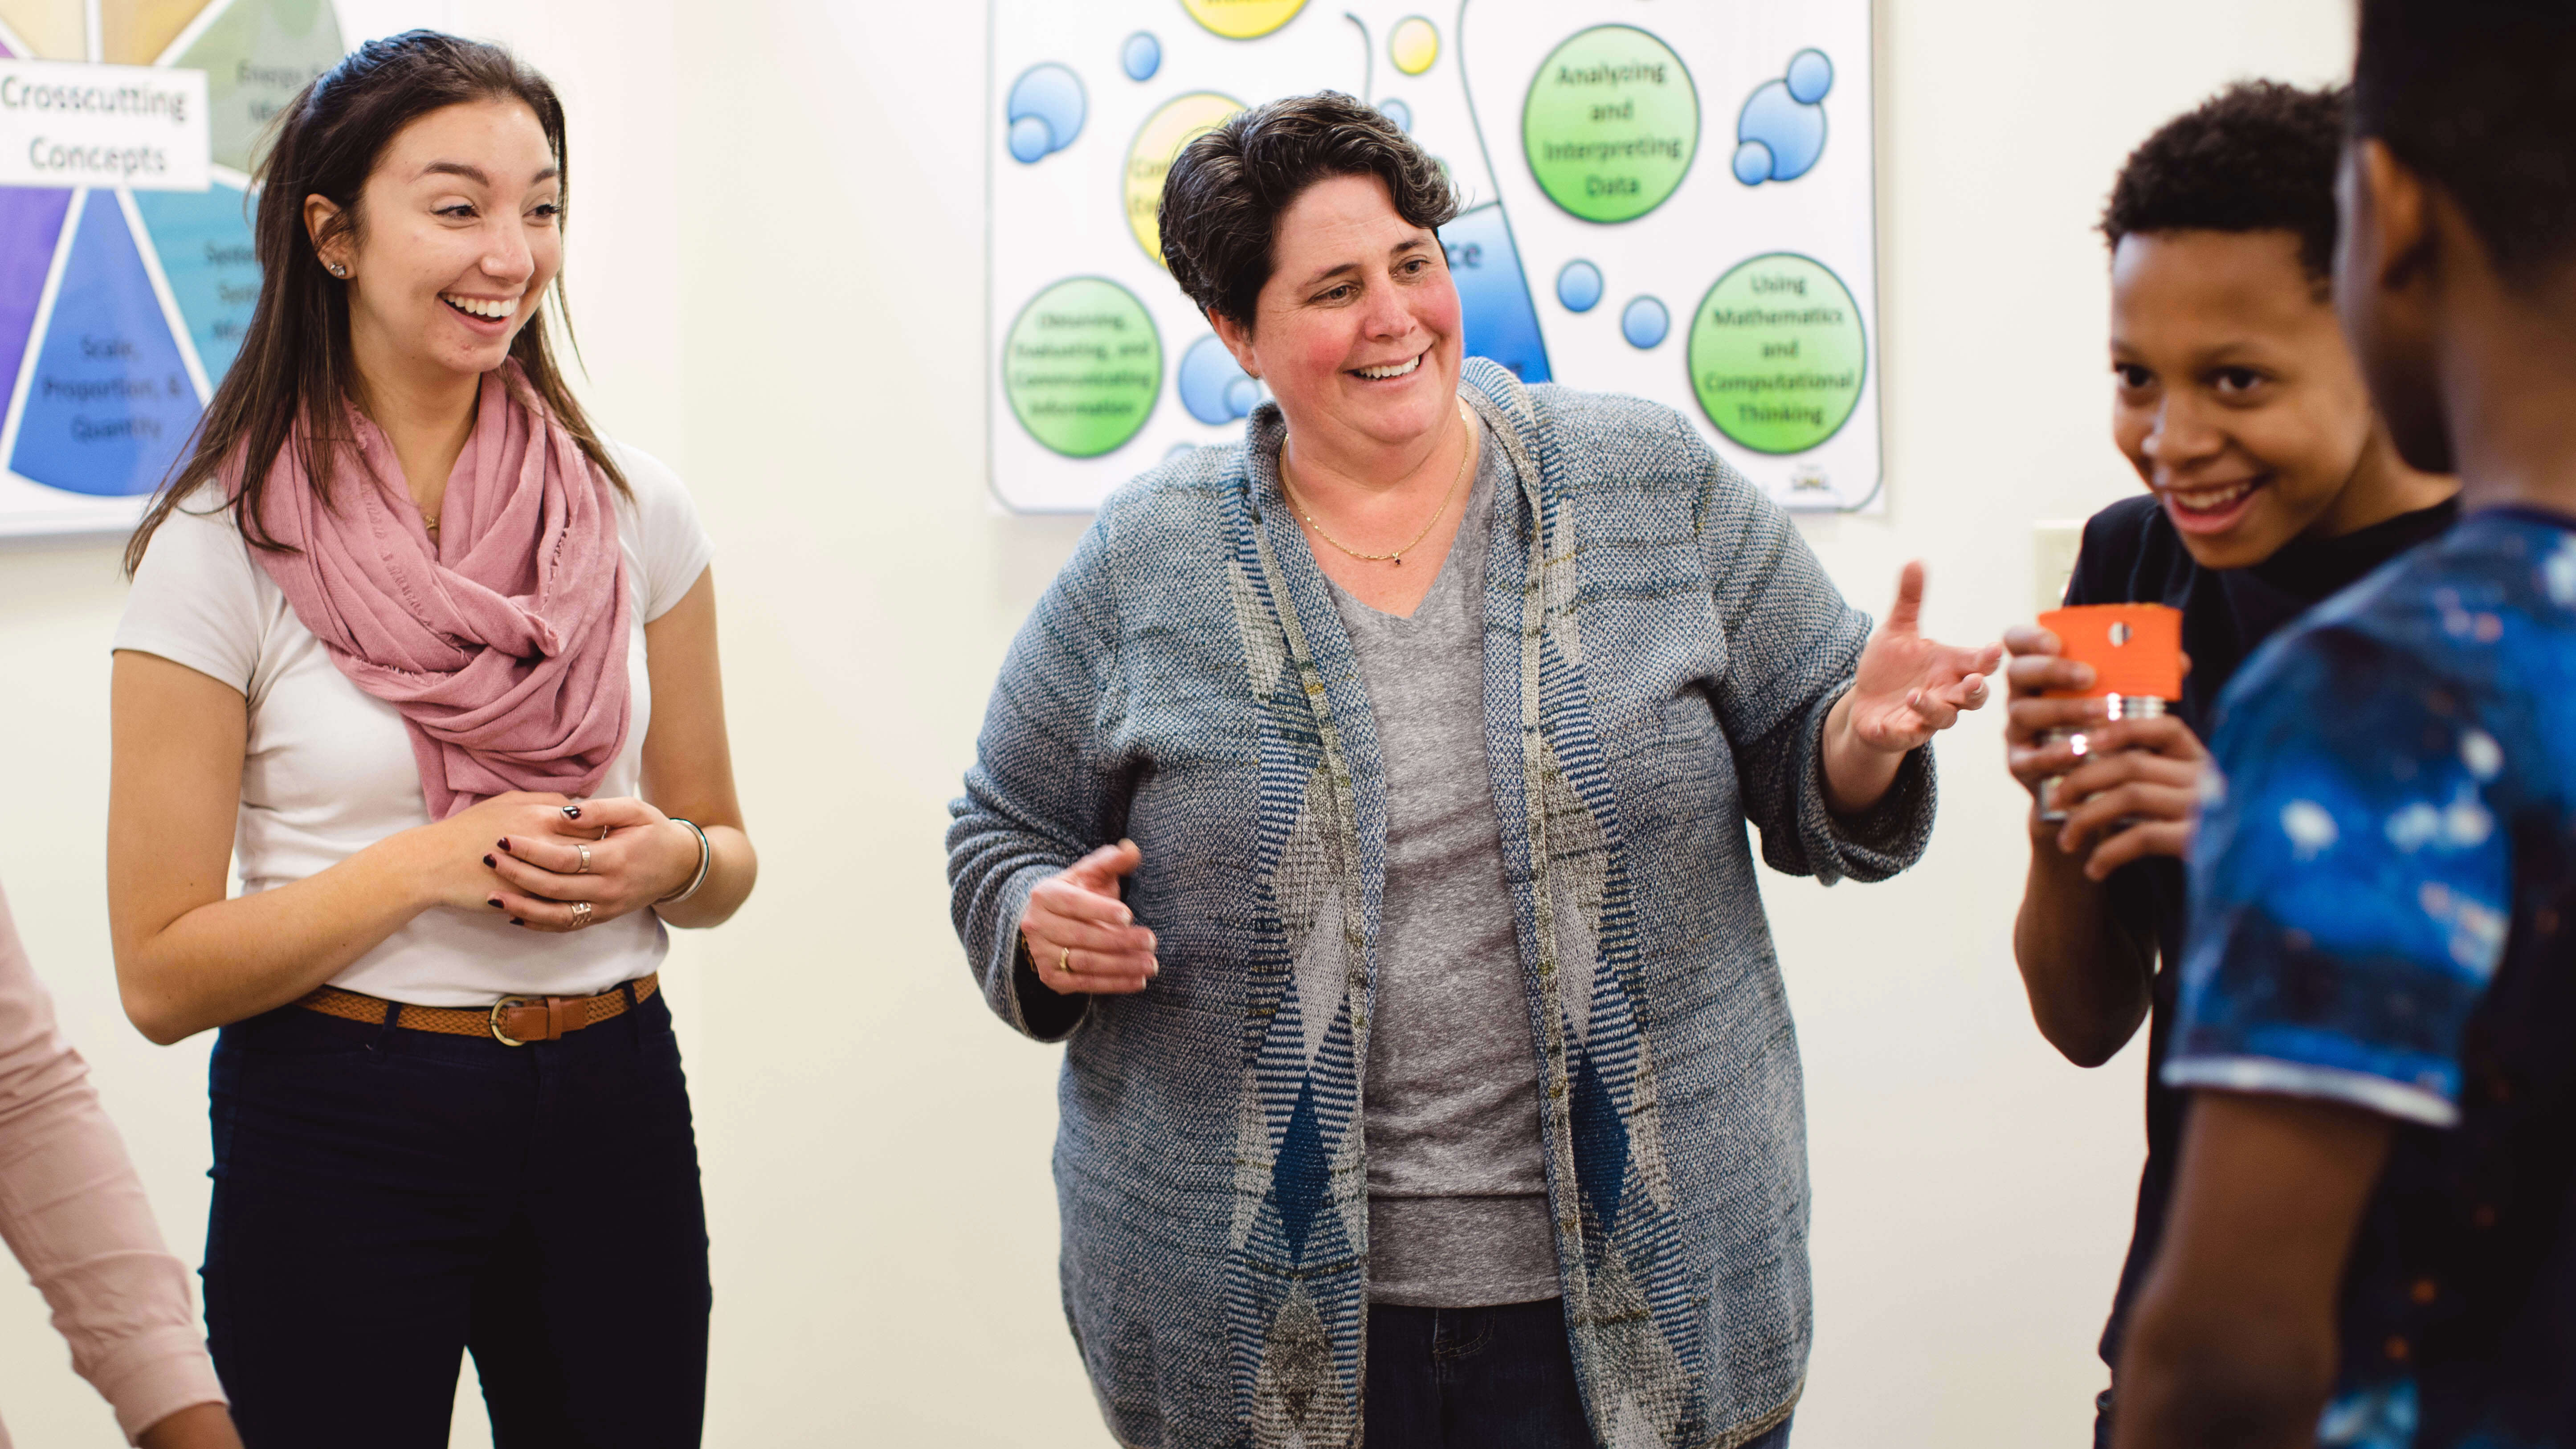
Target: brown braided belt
511	1021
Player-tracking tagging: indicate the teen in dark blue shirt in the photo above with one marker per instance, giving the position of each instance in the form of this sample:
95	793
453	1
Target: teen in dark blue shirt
2372	1236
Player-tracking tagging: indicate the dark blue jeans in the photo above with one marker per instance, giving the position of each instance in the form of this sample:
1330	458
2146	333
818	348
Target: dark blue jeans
386	1199
1479	1378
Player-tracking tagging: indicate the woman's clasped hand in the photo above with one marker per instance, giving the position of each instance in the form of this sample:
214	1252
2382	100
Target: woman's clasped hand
544	858
1081	937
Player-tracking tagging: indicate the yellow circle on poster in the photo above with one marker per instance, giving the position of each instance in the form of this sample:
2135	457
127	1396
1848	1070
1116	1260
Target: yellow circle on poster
1243	19
1149	159
1413	45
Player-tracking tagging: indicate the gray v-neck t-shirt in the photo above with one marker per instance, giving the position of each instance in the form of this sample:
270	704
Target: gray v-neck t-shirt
1458	1212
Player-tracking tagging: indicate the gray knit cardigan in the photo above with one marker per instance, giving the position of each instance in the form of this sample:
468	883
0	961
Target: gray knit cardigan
1660	653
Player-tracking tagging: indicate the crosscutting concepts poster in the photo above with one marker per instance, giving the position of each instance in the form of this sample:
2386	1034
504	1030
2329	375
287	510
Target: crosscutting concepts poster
1672	200
126	269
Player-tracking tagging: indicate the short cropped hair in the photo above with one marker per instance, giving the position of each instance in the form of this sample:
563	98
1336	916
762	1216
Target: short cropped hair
2477	96
2258	156
1224	194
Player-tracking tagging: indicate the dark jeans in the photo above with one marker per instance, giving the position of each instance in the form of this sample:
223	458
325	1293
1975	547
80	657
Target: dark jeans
1479	1378
386	1198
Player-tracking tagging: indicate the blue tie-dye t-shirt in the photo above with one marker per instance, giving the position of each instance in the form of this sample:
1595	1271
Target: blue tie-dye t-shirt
2384	868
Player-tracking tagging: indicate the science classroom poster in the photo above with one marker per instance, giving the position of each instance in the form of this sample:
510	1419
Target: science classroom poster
126	272
1664	199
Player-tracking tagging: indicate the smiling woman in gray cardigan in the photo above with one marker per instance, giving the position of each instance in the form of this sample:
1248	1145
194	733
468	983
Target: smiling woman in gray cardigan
1433	1057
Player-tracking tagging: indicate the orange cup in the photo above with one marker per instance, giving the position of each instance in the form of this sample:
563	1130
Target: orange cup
2136	654
2135	649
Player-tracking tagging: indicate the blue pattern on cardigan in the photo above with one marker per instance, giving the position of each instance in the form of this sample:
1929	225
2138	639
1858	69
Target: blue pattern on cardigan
1661	651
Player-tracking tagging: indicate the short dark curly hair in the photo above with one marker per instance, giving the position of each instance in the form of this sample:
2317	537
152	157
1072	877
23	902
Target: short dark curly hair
2475	95
1225	191
2258	156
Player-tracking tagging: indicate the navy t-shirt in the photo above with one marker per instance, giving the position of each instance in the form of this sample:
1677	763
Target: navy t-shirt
2383	880
2132	554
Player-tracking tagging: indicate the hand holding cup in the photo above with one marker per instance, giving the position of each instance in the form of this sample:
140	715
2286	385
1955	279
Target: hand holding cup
2112	782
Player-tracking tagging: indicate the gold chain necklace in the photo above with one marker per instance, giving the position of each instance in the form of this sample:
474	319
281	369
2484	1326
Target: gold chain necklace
1464	454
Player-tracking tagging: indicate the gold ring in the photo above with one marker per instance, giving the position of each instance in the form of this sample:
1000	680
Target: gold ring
580	914
1064	960
584	867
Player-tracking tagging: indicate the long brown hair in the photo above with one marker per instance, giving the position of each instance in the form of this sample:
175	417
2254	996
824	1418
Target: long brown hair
295	376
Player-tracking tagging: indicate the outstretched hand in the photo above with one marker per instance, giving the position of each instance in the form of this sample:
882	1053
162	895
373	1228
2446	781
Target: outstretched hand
1081	937
1909	688
1906	689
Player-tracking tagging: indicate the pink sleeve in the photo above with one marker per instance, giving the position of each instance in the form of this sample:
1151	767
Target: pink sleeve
73	1211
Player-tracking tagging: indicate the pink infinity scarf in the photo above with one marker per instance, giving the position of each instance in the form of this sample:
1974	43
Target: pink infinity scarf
503	643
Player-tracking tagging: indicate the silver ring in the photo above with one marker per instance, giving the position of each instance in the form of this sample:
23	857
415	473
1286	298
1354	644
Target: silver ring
584	867
580	914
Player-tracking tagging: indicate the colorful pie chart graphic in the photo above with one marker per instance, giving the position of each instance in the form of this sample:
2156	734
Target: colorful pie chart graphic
121	308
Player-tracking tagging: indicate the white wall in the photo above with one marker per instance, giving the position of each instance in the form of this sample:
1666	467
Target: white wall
776	264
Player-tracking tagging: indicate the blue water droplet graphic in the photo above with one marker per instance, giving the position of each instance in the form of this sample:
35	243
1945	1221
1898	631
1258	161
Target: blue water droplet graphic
1811	74
1052	96
1213	388
1781	130
1795	133
1142	55
1578	286
1752	163
1030	139
1645	323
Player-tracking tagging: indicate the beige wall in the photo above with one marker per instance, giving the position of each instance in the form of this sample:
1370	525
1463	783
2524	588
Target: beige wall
777	266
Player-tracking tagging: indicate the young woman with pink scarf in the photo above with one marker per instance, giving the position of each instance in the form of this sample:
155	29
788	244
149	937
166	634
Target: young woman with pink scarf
432	667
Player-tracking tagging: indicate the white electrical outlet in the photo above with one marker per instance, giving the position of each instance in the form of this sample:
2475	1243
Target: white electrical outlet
2053	546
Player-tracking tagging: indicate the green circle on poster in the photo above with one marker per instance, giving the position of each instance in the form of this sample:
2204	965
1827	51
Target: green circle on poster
1611	123
1776	353
1082	366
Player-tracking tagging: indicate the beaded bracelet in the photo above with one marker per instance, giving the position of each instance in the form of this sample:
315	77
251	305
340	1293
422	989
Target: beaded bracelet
706	857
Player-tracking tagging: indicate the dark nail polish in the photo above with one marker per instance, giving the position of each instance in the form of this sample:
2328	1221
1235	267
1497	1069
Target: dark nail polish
503	842
572	812
487	860
515	921
494	903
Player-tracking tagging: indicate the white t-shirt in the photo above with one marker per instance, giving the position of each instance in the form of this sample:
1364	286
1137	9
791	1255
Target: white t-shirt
329	769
